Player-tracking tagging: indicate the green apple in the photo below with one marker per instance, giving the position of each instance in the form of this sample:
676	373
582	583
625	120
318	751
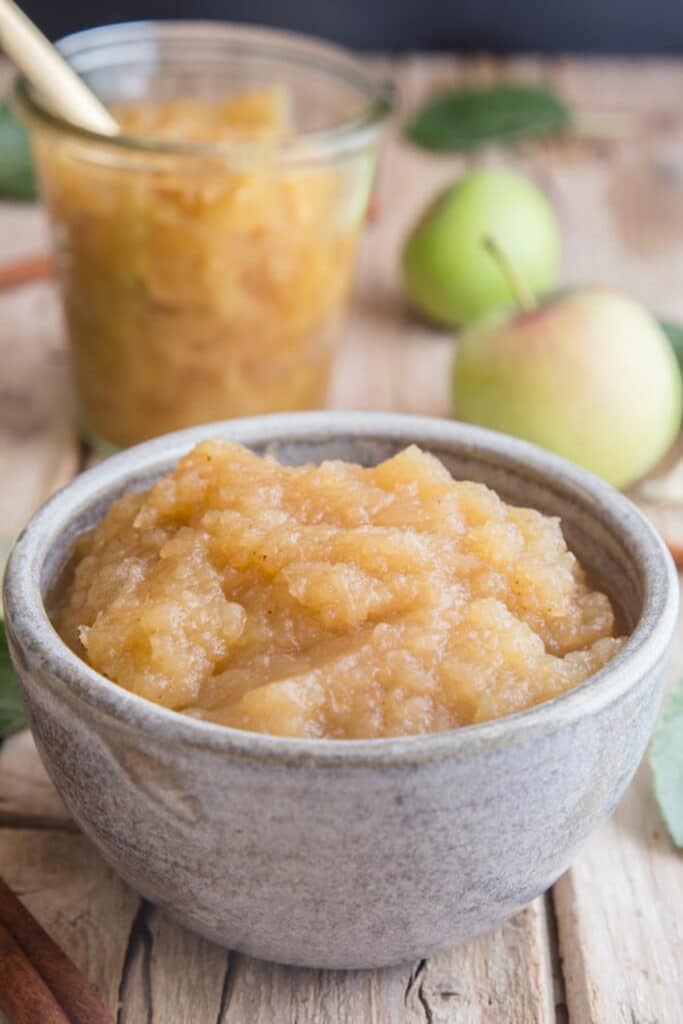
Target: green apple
589	375
448	272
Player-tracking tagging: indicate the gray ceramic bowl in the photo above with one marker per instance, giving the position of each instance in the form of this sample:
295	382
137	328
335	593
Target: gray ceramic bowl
346	853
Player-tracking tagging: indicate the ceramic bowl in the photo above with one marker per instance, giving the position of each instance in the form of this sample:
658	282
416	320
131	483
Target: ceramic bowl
337	853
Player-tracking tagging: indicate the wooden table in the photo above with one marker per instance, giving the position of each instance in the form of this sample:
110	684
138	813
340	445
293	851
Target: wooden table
606	944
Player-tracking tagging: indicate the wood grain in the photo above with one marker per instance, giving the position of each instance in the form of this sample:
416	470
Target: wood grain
619	918
619	913
618	189
502	979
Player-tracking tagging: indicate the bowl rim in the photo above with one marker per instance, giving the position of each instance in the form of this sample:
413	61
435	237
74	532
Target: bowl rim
30	629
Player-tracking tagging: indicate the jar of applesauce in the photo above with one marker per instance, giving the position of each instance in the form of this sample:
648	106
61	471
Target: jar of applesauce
205	253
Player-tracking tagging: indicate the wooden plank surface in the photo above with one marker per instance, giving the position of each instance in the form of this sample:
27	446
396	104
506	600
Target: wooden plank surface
76	897
38	447
607	944
477	983
27	797
619	914
39	450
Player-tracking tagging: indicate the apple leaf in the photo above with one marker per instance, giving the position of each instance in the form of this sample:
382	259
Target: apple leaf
666	761
464	119
16	170
674	333
12	712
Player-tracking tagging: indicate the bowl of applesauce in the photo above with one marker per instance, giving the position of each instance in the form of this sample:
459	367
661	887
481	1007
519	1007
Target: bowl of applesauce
205	254
340	689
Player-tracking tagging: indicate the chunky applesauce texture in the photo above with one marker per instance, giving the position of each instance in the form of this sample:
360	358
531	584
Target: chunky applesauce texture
332	601
171	266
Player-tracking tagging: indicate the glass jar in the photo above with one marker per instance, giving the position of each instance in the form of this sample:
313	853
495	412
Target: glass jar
205	279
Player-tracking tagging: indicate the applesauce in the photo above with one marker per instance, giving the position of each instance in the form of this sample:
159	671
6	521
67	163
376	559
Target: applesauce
205	253
195	294
331	601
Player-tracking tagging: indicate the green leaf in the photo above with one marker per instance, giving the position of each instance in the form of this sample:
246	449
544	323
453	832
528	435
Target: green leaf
16	171
666	761
674	333
464	119
12	711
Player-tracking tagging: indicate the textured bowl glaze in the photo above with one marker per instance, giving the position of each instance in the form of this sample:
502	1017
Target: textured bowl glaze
342	853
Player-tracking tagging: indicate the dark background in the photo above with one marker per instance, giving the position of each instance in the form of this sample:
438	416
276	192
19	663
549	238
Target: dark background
589	26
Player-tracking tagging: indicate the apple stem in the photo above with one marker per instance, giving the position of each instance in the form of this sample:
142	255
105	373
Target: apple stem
523	294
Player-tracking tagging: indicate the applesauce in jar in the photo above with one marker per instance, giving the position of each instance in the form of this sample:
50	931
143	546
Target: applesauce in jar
193	293
331	601
205	253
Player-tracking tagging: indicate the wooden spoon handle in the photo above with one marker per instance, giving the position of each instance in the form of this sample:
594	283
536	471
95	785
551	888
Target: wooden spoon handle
46	69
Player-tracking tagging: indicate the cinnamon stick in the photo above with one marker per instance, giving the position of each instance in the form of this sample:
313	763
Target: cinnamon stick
24	996
79	1002
33	268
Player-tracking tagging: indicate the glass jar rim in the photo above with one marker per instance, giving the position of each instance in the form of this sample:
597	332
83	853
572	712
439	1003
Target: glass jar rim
300	50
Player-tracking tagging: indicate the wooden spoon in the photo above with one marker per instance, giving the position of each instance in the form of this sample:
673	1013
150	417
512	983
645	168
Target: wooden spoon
46	69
